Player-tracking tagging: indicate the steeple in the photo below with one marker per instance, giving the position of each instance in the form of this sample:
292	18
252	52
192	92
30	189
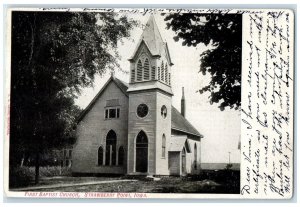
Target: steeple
183	103
150	64
153	40
152	37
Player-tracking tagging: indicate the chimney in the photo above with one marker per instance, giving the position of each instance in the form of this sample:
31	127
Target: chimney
183	103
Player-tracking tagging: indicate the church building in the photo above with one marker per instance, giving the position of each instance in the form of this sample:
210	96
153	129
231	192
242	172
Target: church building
133	128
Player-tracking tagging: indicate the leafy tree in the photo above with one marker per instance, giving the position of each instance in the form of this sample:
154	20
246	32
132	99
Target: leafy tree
223	61
54	55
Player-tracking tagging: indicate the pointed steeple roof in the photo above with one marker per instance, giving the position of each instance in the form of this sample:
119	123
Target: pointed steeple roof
152	38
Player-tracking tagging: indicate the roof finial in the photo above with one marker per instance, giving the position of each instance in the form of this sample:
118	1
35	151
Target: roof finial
112	73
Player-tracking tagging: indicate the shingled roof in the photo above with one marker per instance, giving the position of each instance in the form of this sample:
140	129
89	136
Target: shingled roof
179	123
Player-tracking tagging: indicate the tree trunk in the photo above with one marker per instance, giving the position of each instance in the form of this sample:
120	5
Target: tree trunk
22	159
37	167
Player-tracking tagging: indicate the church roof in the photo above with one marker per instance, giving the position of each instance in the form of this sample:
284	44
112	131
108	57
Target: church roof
179	123
177	143
152	39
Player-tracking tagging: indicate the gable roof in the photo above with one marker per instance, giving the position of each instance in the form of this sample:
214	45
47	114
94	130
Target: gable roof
178	123
177	143
120	84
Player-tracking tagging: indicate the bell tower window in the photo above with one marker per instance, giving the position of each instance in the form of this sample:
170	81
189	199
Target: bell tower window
153	73
146	69
139	73
162	75
166	74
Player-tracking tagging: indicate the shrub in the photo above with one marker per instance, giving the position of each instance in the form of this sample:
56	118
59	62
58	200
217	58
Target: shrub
20	177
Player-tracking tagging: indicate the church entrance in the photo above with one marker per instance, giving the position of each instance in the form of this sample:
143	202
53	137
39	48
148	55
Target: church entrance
141	155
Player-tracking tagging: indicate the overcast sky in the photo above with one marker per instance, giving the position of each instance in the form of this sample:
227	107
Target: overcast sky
221	129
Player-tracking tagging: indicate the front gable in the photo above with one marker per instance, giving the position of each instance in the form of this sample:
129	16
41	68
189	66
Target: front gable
113	89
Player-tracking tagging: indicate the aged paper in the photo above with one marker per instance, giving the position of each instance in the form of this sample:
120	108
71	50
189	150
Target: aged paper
260	160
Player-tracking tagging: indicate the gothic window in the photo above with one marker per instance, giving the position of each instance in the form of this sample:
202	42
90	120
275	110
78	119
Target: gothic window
141	152
163	146
121	156
139	70
100	156
133	74
162	75
146	69
153	73
166	74
158	73
110	152
195	156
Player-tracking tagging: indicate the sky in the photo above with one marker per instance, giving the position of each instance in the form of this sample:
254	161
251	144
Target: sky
221	129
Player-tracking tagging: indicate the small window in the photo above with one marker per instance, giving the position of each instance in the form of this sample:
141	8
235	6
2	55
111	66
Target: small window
195	156
100	156
142	110
112	113
162	75
139	73
163	146
106	113
121	156
118	112
166	73
70	153
164	111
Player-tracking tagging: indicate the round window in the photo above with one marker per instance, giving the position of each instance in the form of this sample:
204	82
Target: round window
163	111
142	110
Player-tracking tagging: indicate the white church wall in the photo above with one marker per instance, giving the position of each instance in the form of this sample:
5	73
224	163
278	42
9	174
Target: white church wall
92	131
163	126
136	124
190	159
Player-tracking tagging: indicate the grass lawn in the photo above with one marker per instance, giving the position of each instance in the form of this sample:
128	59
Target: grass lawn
211	182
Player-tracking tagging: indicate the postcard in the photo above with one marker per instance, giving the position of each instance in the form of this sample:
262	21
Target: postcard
149	103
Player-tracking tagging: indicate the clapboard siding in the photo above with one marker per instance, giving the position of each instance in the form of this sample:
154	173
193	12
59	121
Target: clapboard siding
92	130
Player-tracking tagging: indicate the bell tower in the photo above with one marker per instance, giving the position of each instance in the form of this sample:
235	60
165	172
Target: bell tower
150	97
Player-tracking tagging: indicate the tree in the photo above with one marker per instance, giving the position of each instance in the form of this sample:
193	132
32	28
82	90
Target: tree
223	32
55	55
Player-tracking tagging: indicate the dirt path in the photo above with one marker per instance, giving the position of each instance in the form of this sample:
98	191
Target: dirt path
69	185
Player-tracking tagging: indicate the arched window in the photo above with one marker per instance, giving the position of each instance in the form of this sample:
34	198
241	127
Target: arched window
133	74
166	73
100	155
162	75
121	156
163	146
158	73
139	71
195	156
110	153
183	161
146	70
153	73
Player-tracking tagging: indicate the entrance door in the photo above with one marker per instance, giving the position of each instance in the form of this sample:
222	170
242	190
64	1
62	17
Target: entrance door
141	154
183	162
